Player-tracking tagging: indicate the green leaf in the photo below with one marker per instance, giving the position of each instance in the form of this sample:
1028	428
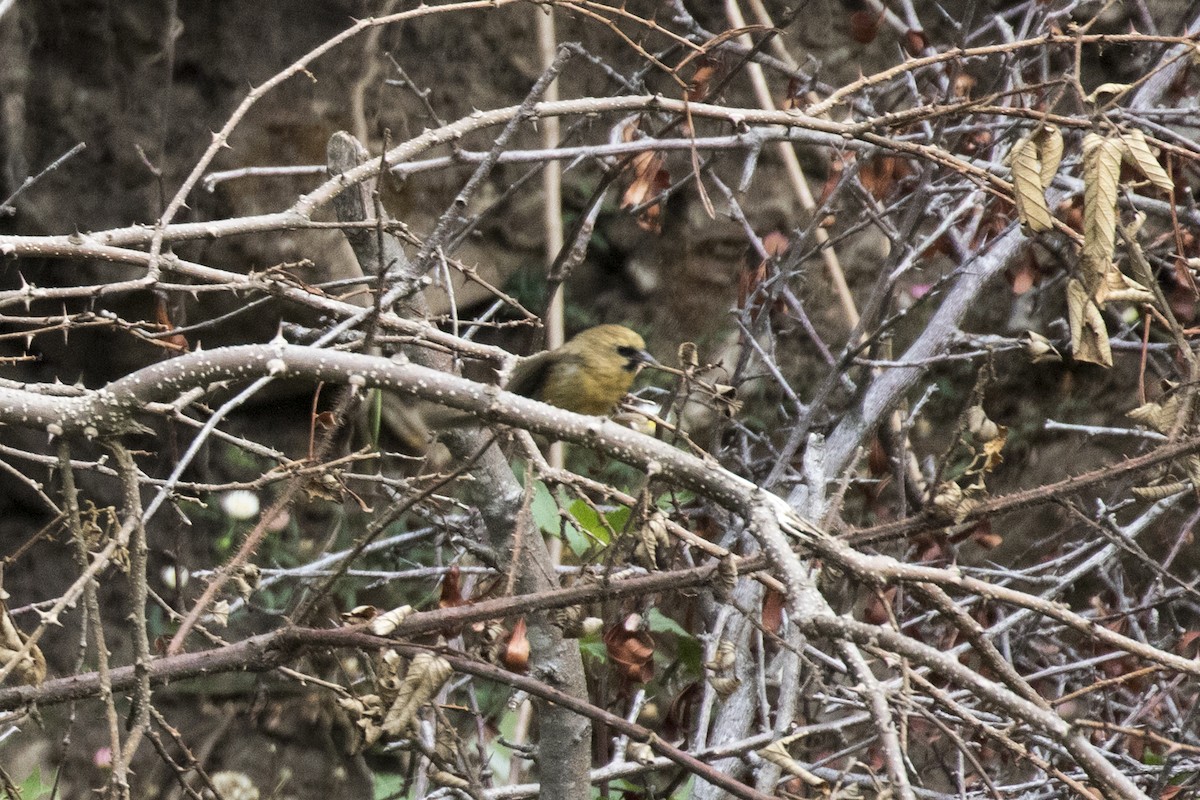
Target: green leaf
34	788
387	784
594	648
661	623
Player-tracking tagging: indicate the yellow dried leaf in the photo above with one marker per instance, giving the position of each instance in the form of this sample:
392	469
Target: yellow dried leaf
1089	337
641	752
725	658
992	447
1038	348
384	624
1109	89
1119	288
1028	193
1162	490
777	754
1159	416
1050	150
425	677
1139	156
28	669
948	501
444	778
1101	171
724	686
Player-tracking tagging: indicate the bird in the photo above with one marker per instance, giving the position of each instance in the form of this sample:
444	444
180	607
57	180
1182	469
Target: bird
588	375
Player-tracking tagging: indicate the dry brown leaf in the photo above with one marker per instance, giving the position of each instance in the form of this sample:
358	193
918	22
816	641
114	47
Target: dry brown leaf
1049	141
30	668
1116	287
516	654
1161	490
631	649
1108	89
1159	416
1139	156
777	754
653	542
1089	337
384	624
724	686
451	596
1039	349
992	447
649	181
772	611
425	677
948	501
1101	171
725	657
1028	193
983	535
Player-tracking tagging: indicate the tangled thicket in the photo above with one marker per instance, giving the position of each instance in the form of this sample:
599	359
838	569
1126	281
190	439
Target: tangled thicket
812	562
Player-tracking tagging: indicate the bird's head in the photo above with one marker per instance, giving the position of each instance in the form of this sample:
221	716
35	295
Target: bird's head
612	346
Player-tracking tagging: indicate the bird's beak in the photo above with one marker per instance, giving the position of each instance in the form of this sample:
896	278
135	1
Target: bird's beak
646	358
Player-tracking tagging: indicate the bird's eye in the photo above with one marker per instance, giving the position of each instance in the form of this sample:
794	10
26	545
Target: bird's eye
627	351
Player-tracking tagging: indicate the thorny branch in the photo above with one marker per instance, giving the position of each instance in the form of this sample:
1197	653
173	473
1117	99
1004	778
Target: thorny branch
1060	672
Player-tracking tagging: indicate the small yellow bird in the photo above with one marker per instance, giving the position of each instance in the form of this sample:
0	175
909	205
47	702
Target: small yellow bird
588	375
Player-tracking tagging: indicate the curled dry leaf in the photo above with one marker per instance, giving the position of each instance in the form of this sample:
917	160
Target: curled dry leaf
979	425
366	711
426	675
1158	416
1161	491
777	754
992	455
384	624
1116	287
724	658
1140	157
1049	141
648	181
516	653
724	686
1028	192
1089	337
219	615
1107	91
30	668
640	752
950	502
653	542
631	649
360	615
947	499
1039	349
726	400
452	596
1192	463
443	778
246	580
